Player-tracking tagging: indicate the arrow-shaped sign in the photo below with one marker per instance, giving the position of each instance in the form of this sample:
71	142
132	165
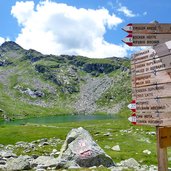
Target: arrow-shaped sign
128	28
133	119
132	105
128	40
146	39
148	28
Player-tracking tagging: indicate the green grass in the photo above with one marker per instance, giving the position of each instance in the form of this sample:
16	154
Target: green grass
133	140
132	143
18	109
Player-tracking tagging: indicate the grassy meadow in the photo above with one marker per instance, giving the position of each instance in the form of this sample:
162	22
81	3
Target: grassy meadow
133	140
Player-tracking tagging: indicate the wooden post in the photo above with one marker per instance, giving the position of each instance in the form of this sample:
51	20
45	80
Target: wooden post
161	154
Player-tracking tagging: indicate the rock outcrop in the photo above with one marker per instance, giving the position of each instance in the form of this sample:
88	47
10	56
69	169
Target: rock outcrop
90	92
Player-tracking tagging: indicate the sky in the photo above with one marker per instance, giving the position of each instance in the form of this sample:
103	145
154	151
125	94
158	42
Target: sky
91	28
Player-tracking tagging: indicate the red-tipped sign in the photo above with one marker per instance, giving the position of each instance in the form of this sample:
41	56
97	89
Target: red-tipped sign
128	28
146	39
148	28
133	119
128	40
132	105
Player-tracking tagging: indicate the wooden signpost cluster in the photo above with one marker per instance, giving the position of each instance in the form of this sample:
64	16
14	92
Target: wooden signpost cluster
147	34
151	82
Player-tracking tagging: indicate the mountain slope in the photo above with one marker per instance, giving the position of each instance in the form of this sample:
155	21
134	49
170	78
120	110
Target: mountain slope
33	84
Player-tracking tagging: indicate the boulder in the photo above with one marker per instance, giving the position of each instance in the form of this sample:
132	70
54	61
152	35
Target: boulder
80	149
20	163
1	110
7	154
44	162
130	163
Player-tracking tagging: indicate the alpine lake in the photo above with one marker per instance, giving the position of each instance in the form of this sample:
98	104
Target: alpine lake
57	119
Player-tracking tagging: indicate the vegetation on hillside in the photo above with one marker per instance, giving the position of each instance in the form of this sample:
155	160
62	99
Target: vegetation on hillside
33	84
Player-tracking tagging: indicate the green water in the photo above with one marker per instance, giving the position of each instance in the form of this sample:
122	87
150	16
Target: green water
57	119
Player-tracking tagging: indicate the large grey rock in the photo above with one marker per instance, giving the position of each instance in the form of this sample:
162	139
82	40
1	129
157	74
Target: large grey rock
130	163
20	163
44	162
79	148
7	154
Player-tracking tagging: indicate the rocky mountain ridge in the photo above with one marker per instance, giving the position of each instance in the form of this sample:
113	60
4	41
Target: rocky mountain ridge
33	84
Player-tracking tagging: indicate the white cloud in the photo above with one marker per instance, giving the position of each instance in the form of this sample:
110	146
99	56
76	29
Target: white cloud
2	40
55	28
22	11
126	11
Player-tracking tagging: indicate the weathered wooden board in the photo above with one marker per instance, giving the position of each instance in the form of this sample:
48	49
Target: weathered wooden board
154	122
153	115
152	53
148	28
156	64
165	137
154	105
151	85
156	112
146	39
151	92
152	78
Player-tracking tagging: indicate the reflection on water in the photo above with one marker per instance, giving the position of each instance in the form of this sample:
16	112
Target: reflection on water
58	119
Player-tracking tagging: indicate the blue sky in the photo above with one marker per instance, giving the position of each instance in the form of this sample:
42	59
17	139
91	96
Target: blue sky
80	27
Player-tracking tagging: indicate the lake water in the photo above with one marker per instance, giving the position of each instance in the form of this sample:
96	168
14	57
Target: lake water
58	119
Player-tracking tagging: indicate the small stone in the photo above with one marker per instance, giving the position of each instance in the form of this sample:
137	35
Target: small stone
54	151
118	168
130	163
2	167
151	133
107	147
1	146
40	169
7	154
147	152
27	151
116	148
44	162
20	163
107	134
2	162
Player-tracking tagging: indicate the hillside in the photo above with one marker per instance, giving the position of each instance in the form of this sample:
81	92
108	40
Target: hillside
33	84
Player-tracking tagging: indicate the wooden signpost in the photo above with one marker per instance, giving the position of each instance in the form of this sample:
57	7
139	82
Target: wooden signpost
151	82
155	64
148	28
152	78
146	39
152	91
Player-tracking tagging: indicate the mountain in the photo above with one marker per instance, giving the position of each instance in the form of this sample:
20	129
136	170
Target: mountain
33	84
